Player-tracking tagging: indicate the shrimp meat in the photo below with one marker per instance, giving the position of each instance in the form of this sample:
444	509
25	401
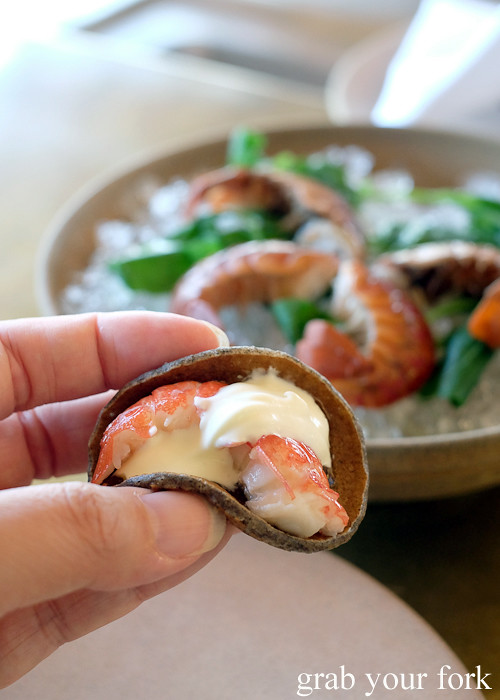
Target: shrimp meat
395	351
286	485
255	271
169	408
446	267
283	480
296	197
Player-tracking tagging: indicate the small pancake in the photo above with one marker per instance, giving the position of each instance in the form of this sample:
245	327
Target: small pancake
235	364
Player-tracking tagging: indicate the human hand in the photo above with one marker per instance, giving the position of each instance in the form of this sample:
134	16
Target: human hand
74	555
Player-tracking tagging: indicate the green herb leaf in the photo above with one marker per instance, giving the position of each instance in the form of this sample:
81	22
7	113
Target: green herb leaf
456	306
245	147
233	227
157	267
153	270
463	364
318	168
293	314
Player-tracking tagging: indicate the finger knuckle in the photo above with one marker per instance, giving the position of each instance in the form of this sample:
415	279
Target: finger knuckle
99	521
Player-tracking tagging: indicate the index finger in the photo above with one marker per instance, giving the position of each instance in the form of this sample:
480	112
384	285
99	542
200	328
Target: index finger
43	360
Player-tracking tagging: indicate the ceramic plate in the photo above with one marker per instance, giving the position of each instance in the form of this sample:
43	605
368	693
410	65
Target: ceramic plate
400	469
247	626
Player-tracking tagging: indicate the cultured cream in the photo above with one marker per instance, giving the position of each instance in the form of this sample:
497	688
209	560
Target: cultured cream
238	413
264	404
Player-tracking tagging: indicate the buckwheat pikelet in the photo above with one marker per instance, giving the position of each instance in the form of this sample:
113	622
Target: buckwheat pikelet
263	437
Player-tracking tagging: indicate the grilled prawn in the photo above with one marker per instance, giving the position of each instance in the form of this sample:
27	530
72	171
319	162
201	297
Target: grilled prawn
445	267
254	271
298	198
394	353
450	268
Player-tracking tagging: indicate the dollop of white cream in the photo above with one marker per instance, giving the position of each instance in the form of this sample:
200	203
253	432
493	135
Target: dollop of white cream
263	404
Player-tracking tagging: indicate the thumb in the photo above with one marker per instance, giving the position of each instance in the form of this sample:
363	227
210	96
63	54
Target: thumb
59	538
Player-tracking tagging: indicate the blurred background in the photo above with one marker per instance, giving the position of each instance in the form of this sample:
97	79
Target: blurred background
283	38
87	85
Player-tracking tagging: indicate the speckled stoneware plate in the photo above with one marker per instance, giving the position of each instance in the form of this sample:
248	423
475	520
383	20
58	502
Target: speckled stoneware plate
247	626
400	469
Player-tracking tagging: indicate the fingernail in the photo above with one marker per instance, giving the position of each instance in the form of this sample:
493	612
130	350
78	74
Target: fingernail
222	339
185	524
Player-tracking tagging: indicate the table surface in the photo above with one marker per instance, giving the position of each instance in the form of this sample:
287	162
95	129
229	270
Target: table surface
71	111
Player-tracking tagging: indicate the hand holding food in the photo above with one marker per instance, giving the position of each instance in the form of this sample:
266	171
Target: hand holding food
76	556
